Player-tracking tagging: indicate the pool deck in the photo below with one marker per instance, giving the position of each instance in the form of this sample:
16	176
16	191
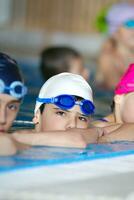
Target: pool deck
111	178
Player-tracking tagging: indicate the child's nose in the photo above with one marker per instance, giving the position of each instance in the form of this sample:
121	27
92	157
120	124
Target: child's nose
71	123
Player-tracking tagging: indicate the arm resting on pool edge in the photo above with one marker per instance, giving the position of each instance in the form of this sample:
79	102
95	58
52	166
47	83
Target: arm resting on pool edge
123	132
7	145
77	138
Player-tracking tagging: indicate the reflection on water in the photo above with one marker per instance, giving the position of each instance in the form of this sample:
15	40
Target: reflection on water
38	156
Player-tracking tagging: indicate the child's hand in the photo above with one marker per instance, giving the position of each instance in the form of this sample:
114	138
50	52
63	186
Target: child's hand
94	134
90	135
7	145
121	132
109	129
26	137
77	138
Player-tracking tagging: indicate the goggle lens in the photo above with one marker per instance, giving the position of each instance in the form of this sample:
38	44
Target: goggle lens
129	24
87	107
65	101
16	89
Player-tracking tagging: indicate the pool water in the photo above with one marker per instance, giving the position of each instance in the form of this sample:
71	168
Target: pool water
38	156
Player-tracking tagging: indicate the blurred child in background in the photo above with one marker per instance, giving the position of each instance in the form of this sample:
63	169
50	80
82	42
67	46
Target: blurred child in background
118	50
58	59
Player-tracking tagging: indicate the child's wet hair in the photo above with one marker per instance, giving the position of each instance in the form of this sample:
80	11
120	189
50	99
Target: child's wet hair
9	69
55	60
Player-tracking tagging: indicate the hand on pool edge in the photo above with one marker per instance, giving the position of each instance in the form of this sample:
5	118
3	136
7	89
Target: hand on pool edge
7	145
51	138
76	138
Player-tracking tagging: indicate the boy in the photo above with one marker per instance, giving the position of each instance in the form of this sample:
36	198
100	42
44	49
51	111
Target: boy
62	113
12	90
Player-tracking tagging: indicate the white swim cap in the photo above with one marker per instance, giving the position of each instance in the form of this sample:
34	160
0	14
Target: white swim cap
65	83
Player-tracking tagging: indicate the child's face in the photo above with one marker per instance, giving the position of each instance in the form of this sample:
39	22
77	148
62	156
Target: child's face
9	107
77	67
126	36
53	118
126	108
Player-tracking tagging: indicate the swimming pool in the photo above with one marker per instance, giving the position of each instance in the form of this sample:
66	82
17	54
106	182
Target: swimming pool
97	172
57	173
102	101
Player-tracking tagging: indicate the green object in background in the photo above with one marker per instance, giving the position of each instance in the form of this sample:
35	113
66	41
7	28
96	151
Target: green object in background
101	22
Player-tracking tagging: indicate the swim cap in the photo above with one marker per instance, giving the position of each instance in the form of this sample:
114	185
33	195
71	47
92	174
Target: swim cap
11	81
65	83
118	15
126	83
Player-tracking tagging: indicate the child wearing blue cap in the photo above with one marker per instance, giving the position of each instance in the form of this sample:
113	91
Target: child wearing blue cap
12	90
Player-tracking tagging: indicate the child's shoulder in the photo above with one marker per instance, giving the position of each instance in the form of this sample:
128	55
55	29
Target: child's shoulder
106	121
100	123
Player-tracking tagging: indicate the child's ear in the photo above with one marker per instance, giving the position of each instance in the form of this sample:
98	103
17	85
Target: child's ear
36	121
36	118
118	99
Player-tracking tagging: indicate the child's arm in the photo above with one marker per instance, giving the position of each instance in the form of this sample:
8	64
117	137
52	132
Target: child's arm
77	138
50	139
124	132
7	145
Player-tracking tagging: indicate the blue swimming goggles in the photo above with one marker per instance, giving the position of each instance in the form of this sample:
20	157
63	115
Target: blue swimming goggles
66	102
129	24
16	89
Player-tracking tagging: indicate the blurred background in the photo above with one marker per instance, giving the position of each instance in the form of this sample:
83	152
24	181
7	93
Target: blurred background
28	26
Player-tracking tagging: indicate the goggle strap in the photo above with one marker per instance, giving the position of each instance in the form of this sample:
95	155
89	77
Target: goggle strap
24	90
42	100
